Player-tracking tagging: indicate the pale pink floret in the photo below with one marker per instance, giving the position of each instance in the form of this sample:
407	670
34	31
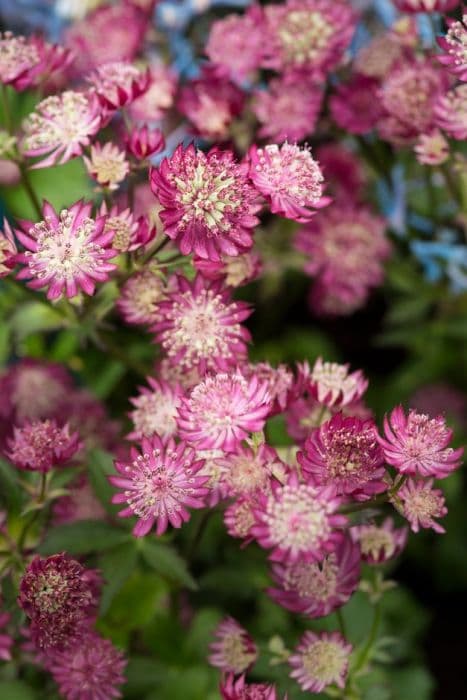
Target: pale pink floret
454	45
60	127
159	485
426	5
420	504
234	651
432	148
418	445
8	250
280	381
237	270
239	518
198	325
247	471
67	252
158	98
107	165
28	62
344	453
223	410
289	178
155	410
233	688
321	659
42	445
140	296
333	385
451	112
208	204
317	589
129	232
379	543
298	521
119	83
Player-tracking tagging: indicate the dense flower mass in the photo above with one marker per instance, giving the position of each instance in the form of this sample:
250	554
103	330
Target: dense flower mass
451	112
118	83
454	46
25	63
247	471
42	445
234	650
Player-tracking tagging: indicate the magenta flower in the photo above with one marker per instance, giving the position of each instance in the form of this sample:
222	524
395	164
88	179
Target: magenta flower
441	6
355	106
155	410
139	297
343	172
379	543
454	45
280	382
239	517
223	410
158	98
81	503
208	203
233	688
289	178
6	640
334	386
67	252
90	670
60	127
317	589
27	62
159	485
420	504
119	83
344	453
246	471
234	651
418	445
321	659
129	232
8	250
198	325
144	142
298	521
42	446
451	111
237	270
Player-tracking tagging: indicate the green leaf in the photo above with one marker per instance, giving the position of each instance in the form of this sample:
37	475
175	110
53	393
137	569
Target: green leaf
16	690
100	466
34	316
413	682
165	560
82	537
143	674
116	566
10	491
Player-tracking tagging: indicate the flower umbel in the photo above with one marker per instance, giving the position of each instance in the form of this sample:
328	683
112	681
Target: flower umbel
320	660
42	445
234	650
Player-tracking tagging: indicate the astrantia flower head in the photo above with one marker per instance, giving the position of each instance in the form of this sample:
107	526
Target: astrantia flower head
333	385
155	410
378	56
107	165
233	688
60	598
234	651
280	381
144	142
451	111
246	470
223	410
316	589
60	127
289	178
237	270
418	445
432	148
320	660
379	543
140	296
343	172
129	232
454	45
7	250
298	521
159	96
344	453
308	35
42	445
159	485
119	83
67	252
426	5
90	670
420	504
239	517
198	325
80	503
27	62
208	203
355	106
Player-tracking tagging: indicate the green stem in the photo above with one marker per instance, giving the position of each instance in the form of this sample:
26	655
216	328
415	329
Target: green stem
341	621
29	189
367	649
452	184
6	109
379	500
34	516
104	343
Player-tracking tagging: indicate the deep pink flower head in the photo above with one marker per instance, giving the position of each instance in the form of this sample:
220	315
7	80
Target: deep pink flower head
420	504
240	517
129	232
418	445
155	410
27	62
451	111
60	598
355	106
6	640
288	109
236	43
317	589
321	659
308	35
198	325
60	127
144	142
234	651
237	270
140	296
159	485
379	543
236	688
119	83
80	503
223	410
90	670
343	172
159	96
298	521
289	178
454	46
426	5
247	471
344	453
305	414
42	446
333	385
67	252
208	203
8	250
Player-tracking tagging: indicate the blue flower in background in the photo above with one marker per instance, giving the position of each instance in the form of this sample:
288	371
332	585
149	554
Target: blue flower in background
432	255
32	15
392	199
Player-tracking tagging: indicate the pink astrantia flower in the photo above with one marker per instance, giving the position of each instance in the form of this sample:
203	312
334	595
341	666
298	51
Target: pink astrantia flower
159	485
239	517
8	250
60	127
343	172
223	410
208	203
376	58
90	670
140	296
42	446
308	35
288	109
233	688
80	503
107	165
317	589
426	5
144	142
28	62
280	382
234	651
155	410
246	470
6	640
306	413
129	232
118	84
454	45
298	521
418	445
451	112
198	325
379	543
159	96
237	270
432	148
321	659
333	385
355	106
289	178
420	504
